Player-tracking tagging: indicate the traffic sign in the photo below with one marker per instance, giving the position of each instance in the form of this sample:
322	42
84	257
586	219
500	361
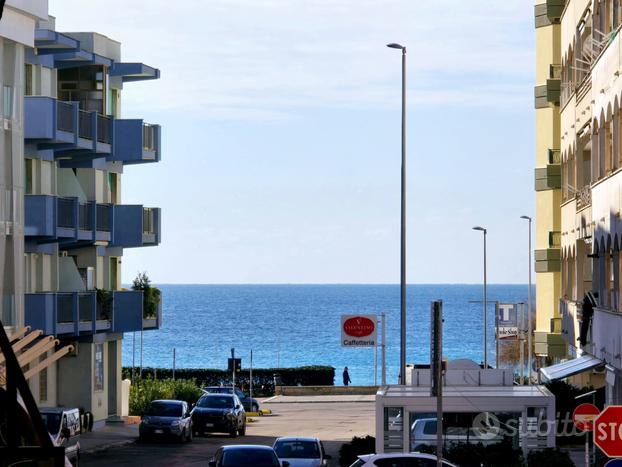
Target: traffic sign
584	415
608	431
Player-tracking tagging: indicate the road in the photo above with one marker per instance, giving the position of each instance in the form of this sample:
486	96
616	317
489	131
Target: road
332	422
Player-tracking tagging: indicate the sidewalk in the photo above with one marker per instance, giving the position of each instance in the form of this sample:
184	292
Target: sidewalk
108	436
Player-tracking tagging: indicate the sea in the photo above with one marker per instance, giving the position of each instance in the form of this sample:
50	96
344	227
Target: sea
296	325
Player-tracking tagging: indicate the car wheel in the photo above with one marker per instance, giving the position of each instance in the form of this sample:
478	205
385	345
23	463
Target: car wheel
256	409
182	437
76	462
243	430
234	433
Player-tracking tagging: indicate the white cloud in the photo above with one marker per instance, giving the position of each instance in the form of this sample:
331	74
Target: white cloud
260	59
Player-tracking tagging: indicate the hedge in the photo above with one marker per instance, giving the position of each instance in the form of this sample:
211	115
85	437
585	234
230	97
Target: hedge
147	390
263	378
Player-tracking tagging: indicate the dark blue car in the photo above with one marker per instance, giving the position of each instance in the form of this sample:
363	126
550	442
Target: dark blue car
250	405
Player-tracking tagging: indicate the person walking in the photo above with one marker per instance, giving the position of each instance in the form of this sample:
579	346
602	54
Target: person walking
346	377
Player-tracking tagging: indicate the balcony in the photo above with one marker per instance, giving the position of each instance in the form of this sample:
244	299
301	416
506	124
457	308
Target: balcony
548	12
547	260
584	198
136	142
135	226
72	314
69	132
55	218
548	178
547	94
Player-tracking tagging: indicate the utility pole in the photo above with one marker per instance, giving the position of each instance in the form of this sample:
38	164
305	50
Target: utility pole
436	365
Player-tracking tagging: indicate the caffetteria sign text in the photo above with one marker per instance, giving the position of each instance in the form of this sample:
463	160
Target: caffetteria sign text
358	330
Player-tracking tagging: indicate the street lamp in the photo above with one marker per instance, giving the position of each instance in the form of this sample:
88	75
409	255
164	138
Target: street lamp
529	324
403	223
482	229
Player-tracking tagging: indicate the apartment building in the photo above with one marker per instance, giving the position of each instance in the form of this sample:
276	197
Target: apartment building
65	226
590	95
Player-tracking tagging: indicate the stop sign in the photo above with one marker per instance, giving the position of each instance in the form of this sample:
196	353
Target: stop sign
608	431
584	415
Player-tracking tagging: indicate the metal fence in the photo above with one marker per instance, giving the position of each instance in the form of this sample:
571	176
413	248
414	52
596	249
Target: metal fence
84	125
64	116
85	306
65	208
85	216
64	303
104	129
104	217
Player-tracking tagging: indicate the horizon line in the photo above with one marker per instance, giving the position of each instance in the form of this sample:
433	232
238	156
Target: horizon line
338	283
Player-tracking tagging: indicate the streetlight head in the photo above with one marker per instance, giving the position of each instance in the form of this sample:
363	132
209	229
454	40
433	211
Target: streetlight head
525	217
481	229
394	45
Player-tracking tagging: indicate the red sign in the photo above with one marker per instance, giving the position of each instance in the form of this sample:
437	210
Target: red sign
584	415
359	326
608	431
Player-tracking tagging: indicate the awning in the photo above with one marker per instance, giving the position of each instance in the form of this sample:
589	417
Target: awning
131	71
570	368
29	347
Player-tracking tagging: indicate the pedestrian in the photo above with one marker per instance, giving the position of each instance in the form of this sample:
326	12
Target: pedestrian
346	377
590	301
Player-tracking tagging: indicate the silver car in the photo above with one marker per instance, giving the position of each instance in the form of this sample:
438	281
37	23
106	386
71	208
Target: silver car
301	452
166	418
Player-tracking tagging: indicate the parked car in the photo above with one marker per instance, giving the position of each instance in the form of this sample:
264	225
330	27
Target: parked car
166	418
301	452
250	405
246	455
65	428
423	433
219	413
415	459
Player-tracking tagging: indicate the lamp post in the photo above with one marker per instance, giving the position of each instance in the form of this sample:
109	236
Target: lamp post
403	223
482	229
529	322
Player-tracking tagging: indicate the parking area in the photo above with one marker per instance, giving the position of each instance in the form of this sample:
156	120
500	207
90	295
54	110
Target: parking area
333	420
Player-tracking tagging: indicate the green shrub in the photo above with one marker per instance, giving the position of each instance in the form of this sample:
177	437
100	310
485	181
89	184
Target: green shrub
549	457
147	390
349	451
151	295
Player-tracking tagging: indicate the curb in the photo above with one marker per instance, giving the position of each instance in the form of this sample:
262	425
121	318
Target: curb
105	447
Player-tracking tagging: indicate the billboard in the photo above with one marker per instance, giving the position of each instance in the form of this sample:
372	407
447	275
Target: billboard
508	321
358	330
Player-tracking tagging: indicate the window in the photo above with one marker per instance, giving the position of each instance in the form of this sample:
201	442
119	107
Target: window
7	101
99	367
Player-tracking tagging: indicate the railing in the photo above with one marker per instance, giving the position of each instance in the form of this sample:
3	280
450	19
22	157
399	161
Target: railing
64	305
64	116
555	239
148	221
555	156
104	215
104	129
84	125
584	197
555	71
85	216
149	137
85	306
65	207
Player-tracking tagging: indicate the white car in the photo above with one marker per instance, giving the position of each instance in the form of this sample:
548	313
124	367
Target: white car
301	452
414	459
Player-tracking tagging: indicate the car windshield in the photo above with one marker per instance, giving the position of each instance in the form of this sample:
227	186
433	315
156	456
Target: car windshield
215	402
52	422
249	457
295	449
164	409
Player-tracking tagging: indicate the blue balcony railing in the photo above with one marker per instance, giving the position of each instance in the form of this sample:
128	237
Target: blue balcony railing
136	142
136	226
69	314
63	217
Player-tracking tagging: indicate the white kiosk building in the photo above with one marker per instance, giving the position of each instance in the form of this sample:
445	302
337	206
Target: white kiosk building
474	399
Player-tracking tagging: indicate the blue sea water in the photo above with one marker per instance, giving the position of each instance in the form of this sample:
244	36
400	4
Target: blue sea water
294	325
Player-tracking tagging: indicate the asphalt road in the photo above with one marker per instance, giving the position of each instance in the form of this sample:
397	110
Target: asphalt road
333	423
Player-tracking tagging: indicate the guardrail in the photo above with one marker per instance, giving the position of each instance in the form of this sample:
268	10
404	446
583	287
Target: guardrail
64	116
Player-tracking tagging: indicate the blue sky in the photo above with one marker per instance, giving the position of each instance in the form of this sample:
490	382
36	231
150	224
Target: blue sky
281	136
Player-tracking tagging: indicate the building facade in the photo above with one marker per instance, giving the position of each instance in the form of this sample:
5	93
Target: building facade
62	254
590	92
